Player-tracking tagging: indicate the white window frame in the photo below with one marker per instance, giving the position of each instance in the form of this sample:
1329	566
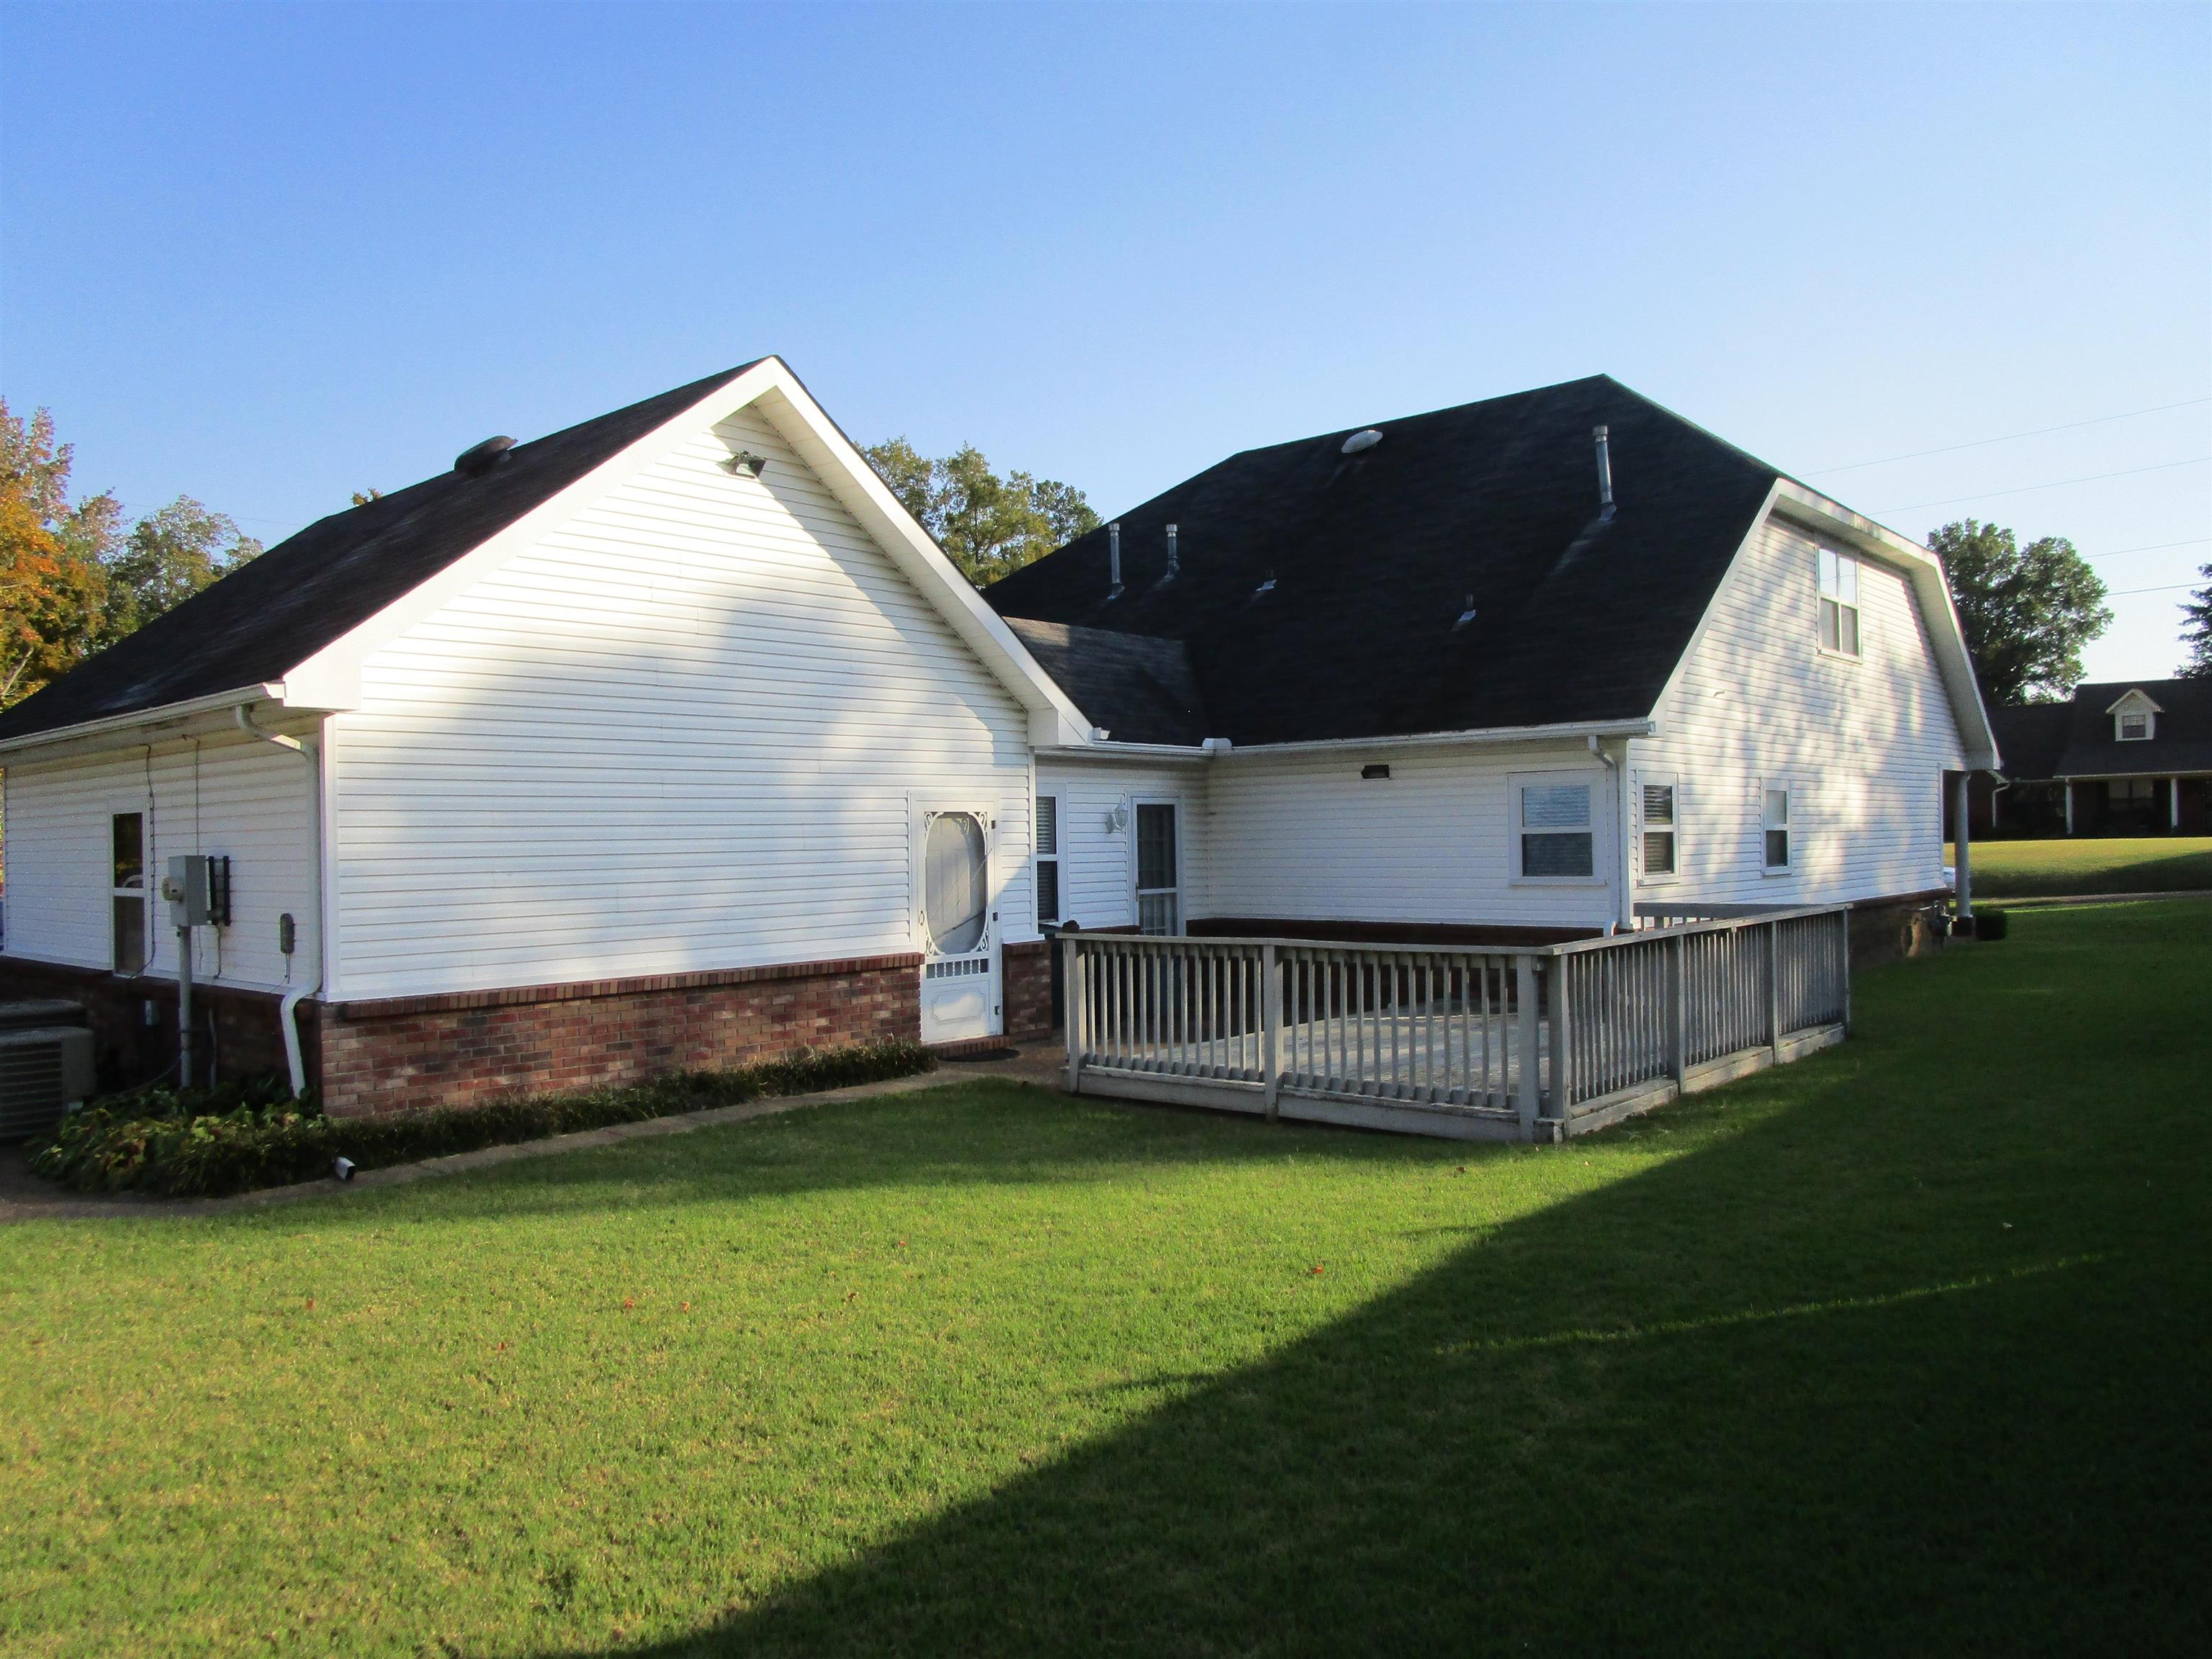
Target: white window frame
1836	583
1039	858
1793	802
1595	781
1182	889
2120	732
143	892
1659	779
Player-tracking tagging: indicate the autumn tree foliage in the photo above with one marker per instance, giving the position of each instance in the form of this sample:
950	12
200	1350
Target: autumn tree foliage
72	580
989	526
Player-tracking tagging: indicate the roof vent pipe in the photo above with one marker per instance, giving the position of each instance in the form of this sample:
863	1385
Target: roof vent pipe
1113	560
1604	472
1174	564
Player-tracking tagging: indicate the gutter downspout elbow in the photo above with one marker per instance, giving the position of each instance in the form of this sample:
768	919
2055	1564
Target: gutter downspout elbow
287	1011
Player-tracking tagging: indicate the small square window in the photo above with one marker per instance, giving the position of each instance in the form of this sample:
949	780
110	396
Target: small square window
2134	728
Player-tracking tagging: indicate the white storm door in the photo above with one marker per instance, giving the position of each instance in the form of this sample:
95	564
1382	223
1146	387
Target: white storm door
960	945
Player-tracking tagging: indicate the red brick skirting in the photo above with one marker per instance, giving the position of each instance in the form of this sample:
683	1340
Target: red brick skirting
466	1047
1026	994
246	1038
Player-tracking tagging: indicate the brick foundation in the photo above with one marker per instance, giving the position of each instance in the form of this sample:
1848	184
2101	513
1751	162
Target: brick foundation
468	1048
1026	989
237	1030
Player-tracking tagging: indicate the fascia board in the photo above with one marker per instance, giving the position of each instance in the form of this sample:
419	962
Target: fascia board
1572	732
823	445
2134	695
125	730
1925	571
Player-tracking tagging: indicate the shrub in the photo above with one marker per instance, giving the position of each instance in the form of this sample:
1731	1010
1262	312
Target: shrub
203	1143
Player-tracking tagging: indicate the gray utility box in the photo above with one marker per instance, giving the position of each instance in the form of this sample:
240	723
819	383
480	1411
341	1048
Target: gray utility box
42	1069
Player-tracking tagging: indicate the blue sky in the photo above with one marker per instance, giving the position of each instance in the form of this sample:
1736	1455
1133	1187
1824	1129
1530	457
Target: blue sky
267	255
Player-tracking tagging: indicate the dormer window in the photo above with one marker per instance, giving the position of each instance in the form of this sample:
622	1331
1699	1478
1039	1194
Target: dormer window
2135	718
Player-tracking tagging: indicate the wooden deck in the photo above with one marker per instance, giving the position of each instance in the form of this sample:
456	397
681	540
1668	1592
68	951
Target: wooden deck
1532	1044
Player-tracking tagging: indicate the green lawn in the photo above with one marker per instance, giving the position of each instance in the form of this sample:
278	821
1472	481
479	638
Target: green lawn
2120	864
1900	1349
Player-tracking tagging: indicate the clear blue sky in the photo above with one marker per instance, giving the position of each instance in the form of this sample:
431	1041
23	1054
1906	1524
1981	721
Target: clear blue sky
268	255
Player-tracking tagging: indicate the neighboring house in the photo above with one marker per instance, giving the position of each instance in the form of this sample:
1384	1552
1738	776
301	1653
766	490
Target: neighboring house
2118	758
672	739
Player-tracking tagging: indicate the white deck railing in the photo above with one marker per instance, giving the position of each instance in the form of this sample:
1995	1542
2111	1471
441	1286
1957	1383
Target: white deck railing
1525	1043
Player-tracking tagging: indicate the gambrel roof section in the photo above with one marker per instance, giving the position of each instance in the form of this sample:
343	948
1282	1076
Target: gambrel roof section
1449	573
294	626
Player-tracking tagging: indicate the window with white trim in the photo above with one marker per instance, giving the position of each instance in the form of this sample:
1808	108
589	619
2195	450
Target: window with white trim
1048	858
127	889
1658	829
1839	603
1555	828
2134	725
1774	825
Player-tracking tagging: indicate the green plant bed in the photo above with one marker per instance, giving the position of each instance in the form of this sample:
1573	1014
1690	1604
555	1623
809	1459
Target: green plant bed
205	1143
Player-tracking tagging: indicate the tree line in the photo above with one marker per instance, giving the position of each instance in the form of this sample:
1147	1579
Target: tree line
74	577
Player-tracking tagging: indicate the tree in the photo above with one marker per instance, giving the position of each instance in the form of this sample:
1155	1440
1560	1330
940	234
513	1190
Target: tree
71	582
2027	611
169	557
53	586
989	526
2196	630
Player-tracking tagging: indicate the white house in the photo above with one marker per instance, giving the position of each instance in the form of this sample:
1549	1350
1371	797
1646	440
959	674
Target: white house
672	739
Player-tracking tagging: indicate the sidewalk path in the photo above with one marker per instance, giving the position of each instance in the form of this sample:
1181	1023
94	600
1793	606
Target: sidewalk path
24	1197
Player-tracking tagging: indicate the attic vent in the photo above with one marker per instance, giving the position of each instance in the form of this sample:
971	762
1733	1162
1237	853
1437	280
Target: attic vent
1374	770
1361	441
478	459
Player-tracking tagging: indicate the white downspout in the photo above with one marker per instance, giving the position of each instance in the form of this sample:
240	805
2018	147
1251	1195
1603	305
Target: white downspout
1626	922
288	1013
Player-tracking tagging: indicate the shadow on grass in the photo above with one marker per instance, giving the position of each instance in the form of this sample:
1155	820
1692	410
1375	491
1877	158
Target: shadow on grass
2179	872
1912	1362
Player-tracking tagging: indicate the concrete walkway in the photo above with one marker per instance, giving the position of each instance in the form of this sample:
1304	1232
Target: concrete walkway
24	1197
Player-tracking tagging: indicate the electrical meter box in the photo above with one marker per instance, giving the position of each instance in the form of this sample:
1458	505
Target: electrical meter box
198	890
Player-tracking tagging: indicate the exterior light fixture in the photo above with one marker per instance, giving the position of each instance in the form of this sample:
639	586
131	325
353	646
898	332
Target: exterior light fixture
746	463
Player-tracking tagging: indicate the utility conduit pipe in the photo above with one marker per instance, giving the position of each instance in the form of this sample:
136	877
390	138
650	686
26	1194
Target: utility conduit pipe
288	1013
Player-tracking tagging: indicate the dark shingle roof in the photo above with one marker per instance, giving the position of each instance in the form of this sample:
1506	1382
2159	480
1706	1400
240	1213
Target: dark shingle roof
1145	680
2180	740
2030	737
1374	557
313	587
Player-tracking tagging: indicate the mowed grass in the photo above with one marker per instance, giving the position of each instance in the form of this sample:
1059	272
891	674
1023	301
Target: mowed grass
2117	864
1898	1349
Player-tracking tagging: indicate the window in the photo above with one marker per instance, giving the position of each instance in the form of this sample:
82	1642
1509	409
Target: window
2135	726
1774	820
1555	829
1655	800
1048	858
1839	603
1158	903
127	886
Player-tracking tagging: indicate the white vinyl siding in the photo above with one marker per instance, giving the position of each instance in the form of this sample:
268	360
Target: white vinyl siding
682	732
1305	837
1097	860
245	798
1864	743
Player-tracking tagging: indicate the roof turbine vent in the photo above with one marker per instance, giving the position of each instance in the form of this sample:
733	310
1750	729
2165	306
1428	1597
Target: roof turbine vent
1361	441
479	458
1604	471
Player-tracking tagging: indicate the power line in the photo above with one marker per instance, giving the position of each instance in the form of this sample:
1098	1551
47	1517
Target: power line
2056	483
2070	426
2171	587
2151	547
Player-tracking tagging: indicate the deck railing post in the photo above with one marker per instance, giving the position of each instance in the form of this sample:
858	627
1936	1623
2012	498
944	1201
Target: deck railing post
1073	1003
1561	1092
1678	1037
1271	1030
1774	989
1524	985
